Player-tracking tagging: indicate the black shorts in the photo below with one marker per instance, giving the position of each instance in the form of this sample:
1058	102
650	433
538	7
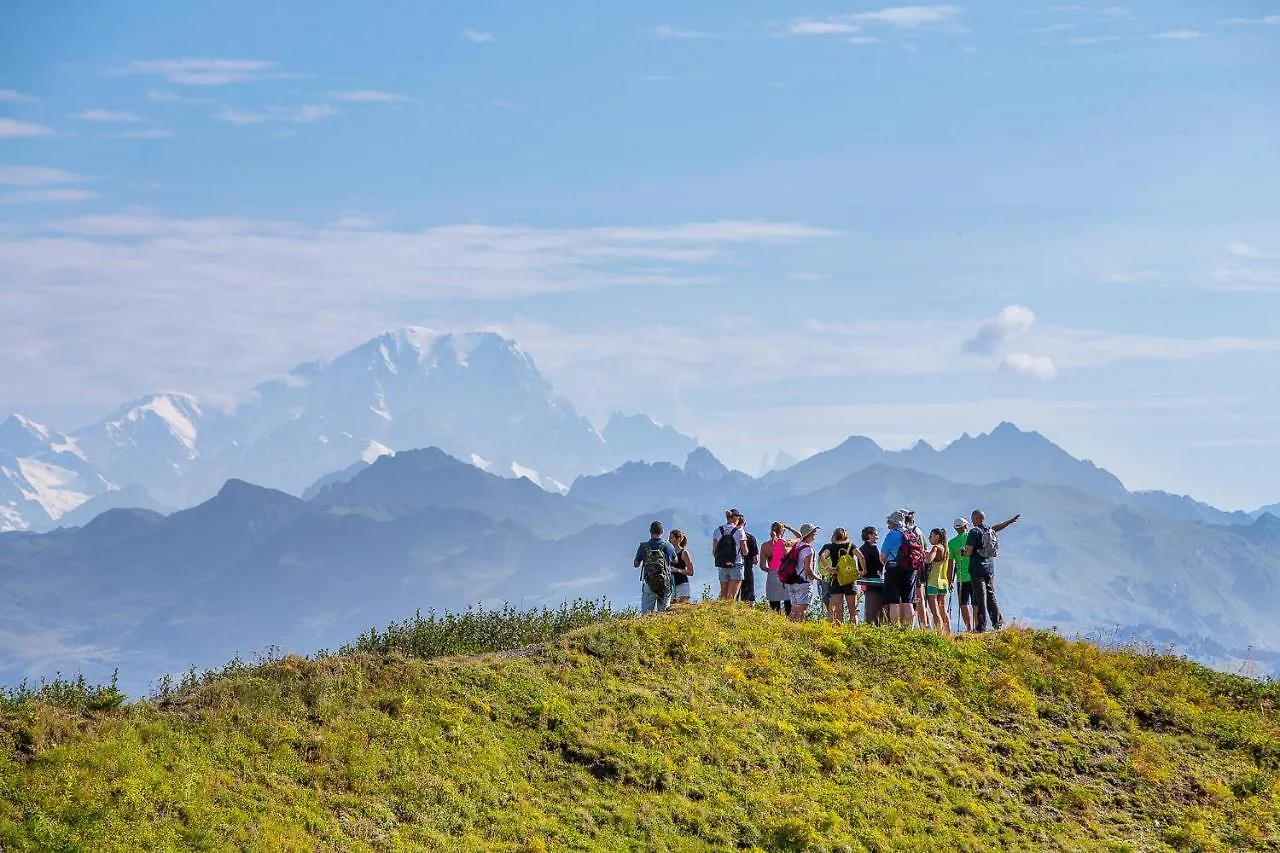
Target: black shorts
900	586
844	589
966	592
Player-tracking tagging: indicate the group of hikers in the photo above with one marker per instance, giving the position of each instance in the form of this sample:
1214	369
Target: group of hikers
904	579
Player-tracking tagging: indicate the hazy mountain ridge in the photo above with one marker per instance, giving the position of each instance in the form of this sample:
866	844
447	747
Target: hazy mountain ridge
420	529
476	395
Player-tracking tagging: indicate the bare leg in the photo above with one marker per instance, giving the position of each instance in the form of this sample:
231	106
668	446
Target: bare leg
835	609
797	612
729	590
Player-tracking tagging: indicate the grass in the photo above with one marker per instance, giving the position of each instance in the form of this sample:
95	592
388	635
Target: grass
713	728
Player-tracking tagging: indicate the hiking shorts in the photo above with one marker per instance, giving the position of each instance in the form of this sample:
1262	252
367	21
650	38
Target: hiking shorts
899	586
844	588
682	587
800	594
731	573
966	593
935	590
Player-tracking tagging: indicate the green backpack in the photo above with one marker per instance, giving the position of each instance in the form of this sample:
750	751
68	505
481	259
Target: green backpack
845	570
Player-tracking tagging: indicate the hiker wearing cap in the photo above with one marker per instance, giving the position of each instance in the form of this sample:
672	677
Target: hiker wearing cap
981	548
872	577
729	549
655	560
903	555
798	572
960	570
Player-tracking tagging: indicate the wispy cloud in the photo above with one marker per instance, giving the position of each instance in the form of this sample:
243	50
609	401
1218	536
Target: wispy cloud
31	176
166	97
911	17
1265	21
120	266
60	195
809	27
1089	40
369	96
897	17
301	114
478	36
1244	250
11	128
1180	35
148	133
109	116
206	71
13	96
666	31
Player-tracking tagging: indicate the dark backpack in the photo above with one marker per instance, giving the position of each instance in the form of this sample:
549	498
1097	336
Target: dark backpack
910	552
791	571
726	547
656	573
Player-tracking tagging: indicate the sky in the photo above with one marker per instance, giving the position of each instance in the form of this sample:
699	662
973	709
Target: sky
770	224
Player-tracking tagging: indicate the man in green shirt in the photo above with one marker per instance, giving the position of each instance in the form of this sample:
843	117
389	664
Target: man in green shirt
960	571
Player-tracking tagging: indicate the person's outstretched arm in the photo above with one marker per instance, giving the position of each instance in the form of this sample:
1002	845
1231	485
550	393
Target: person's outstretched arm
1002	525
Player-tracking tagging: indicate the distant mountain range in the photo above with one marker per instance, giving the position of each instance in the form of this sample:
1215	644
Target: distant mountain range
478	396
440	470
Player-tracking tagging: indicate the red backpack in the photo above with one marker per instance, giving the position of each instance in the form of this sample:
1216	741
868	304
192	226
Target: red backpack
791	571
911	551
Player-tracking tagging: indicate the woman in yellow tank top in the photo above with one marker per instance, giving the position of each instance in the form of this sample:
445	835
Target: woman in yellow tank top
939	580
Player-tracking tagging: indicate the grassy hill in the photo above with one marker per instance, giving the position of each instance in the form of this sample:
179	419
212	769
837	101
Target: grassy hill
714	728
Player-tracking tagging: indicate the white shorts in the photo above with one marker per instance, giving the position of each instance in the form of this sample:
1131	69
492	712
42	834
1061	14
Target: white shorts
800	594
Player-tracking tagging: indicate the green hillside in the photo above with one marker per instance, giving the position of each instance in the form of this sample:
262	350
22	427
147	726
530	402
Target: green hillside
715	728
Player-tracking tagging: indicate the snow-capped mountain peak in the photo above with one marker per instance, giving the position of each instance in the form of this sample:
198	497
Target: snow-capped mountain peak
21	436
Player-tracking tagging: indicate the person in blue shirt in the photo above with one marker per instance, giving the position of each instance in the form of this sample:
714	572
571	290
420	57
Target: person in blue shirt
649	600
899	584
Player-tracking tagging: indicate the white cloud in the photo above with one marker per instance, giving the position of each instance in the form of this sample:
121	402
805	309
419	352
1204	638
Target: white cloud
1180	35
11	128
666	31
205	72
1236	278
910	17
807	27
109	116
808	276
478	36
302	114
1013	322
31	176
13	96
368	96
149	133
900	17
1244	250
138	283
1265	21
1029	366
61	195
864	40
1084	40
167	97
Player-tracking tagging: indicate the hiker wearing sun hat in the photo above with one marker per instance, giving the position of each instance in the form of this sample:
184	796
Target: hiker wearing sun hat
960	570
798	572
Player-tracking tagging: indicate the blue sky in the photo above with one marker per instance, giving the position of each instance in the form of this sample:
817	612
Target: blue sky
771	224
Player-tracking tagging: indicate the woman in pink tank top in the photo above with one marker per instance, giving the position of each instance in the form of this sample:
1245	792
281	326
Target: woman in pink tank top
771	554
